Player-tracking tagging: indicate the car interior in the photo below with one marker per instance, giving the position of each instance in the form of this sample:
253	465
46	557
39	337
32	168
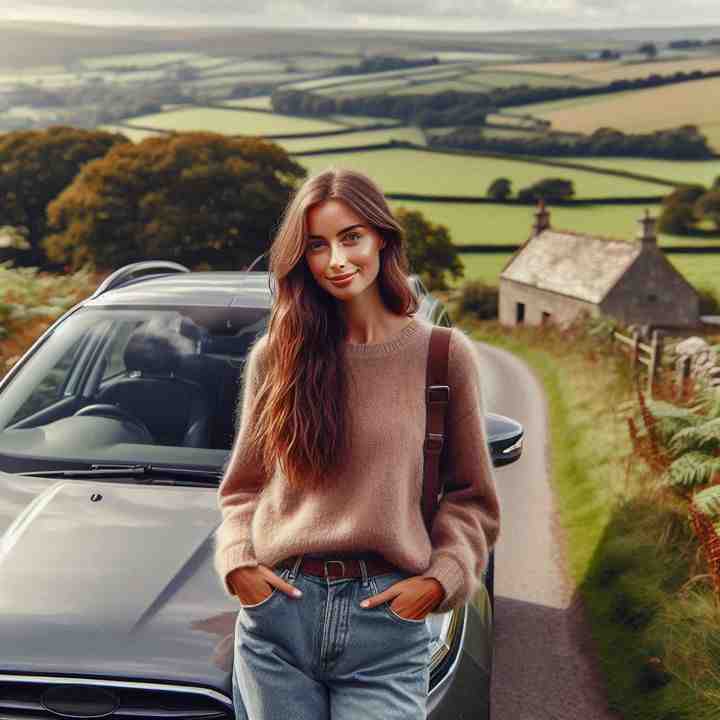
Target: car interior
167	378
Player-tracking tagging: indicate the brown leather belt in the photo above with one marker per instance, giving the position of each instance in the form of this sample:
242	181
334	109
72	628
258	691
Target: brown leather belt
339	566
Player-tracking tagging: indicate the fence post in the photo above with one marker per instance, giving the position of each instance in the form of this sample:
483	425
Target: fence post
682	379
635	349
655	361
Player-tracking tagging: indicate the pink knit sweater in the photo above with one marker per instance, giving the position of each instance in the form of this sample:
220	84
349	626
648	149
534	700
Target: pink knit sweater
375	504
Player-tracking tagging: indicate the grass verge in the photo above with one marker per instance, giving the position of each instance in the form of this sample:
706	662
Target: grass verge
631	552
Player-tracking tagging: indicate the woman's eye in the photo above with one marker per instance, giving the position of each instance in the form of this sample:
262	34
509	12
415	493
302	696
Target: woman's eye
352	236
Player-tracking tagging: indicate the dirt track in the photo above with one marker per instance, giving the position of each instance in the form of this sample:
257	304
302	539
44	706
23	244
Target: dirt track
544	667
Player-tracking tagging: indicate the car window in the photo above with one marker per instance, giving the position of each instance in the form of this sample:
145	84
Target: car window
129	385
115	353
50	386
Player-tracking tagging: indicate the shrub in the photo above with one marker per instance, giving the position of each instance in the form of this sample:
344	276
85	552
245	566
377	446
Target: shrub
478	299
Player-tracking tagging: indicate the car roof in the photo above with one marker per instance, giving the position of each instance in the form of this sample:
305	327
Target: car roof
218	288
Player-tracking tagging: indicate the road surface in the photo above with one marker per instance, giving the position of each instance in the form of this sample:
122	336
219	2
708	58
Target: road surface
544	666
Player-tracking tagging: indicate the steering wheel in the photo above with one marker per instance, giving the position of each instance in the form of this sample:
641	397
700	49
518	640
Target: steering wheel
116	412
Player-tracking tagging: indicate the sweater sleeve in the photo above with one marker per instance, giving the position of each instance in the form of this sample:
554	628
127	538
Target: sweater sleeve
467	522
238	492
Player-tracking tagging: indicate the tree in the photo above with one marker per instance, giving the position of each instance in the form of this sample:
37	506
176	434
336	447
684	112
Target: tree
429	249
198	198
500	189
649	49
684	194
707	206
37	165
549	189
677	219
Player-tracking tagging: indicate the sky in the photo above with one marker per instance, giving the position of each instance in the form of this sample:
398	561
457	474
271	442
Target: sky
445	15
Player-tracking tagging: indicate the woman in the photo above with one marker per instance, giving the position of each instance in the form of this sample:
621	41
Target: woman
322	540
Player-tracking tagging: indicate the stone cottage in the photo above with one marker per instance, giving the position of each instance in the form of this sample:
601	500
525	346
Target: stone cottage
556	274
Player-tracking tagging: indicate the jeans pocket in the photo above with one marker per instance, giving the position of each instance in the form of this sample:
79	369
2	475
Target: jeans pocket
380	583
275	591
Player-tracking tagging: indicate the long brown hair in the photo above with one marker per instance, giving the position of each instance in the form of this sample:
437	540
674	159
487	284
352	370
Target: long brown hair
301	412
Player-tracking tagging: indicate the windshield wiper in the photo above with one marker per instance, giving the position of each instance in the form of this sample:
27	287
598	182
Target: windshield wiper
143	471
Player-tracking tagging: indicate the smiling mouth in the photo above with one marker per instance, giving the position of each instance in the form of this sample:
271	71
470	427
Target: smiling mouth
342	278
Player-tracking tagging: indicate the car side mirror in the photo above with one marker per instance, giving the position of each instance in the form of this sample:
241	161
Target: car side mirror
505	439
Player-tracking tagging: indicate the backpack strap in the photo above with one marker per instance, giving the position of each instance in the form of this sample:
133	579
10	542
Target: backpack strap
437	397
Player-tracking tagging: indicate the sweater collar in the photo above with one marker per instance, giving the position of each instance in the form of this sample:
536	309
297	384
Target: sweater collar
357	351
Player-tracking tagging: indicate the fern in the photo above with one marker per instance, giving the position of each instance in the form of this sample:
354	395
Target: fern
691	469
707	501
705	435
671	419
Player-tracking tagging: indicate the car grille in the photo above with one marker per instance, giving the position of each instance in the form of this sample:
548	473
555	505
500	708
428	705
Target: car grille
29	697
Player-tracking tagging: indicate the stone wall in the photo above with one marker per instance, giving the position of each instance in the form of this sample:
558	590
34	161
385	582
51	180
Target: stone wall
703	359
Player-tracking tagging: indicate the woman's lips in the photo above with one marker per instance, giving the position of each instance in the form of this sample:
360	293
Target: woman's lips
345	281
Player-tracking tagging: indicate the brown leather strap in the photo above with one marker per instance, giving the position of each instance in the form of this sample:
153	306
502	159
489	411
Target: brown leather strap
437	397
337	566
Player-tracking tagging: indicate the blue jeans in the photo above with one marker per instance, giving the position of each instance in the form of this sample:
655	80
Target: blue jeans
323	657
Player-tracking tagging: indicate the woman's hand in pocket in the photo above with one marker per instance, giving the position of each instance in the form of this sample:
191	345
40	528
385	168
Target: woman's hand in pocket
412	598
253	584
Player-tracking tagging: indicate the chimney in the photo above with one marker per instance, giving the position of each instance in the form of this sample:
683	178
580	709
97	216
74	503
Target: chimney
646	232
542	218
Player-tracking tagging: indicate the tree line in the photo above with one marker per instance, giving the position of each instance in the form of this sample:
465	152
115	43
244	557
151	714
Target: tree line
453	107
383	63
548	189
204	199
685	142
689	206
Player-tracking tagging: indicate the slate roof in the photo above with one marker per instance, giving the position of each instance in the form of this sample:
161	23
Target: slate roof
561	261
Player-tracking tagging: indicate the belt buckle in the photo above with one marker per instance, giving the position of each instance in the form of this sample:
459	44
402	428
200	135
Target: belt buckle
325	565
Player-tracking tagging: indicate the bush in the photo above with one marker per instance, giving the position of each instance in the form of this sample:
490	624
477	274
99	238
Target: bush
477	298
500	189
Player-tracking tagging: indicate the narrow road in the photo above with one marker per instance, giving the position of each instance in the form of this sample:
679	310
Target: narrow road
544	667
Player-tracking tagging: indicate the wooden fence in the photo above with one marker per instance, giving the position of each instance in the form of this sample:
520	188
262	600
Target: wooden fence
643	354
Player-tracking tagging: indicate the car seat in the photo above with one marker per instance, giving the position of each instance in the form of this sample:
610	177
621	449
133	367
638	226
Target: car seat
176	410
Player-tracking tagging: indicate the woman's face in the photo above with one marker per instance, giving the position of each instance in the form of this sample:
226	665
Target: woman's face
340	242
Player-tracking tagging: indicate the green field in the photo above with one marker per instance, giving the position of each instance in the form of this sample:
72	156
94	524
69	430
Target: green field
361	120
260	101
481	57
643	111
436	87
416	171
206	63
47	80
314	63
231	122
231	80
495	224
245	67
538	79
480	266
369	137
702	271
510	132
542	108
138	59
370	87
687	171
130	133
416	72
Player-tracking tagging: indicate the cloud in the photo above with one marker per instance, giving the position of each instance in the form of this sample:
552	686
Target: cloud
469	15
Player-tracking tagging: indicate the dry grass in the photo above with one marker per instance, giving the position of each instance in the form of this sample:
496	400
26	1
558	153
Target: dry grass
609	70
646	110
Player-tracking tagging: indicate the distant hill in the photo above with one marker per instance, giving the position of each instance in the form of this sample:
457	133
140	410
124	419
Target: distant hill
31	44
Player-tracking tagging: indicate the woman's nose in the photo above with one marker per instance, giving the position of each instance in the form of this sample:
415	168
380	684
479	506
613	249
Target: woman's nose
337	257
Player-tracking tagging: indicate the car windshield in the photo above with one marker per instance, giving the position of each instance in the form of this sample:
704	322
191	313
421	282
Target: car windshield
130	385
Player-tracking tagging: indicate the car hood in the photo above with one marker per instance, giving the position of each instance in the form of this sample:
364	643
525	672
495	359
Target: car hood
112	579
